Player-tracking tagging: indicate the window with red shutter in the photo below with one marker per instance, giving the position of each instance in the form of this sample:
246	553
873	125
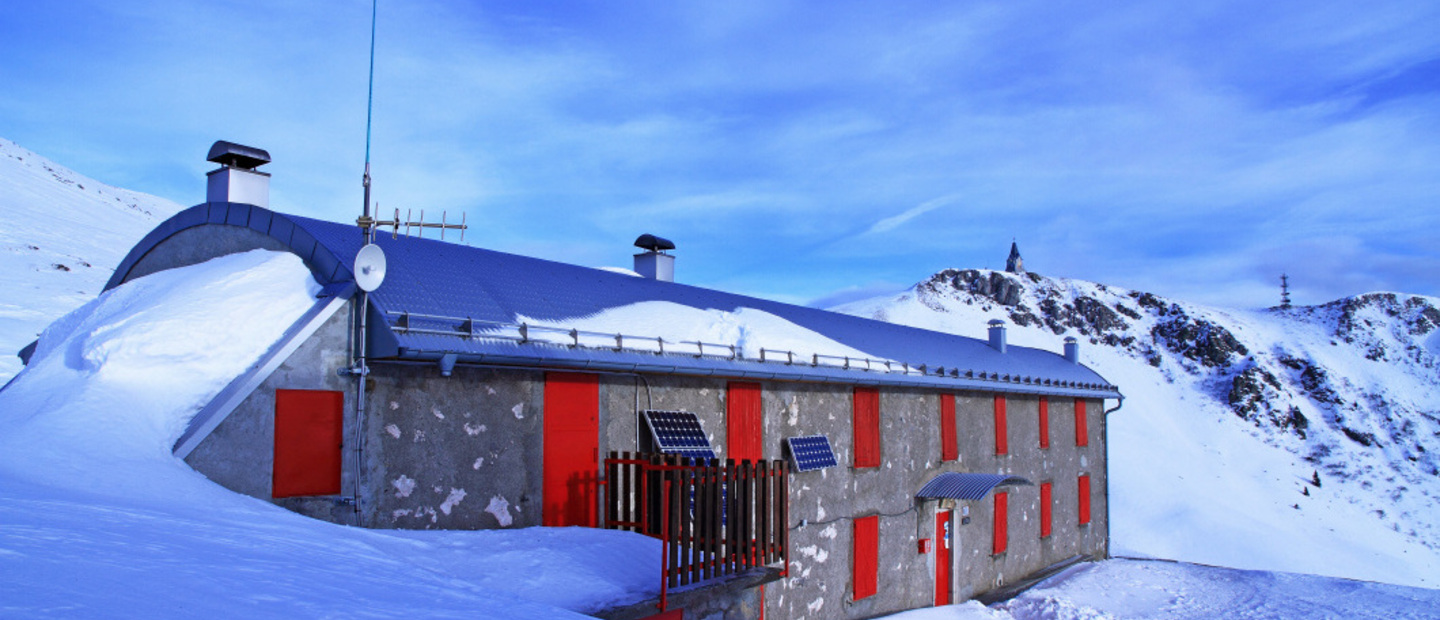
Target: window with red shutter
867	556
867	427
1044	422
1084	485
1002	442
1082	432
949	451
309	427
1045	509
744	423
1001	522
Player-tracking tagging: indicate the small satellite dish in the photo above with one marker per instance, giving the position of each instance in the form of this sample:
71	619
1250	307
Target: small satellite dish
369	267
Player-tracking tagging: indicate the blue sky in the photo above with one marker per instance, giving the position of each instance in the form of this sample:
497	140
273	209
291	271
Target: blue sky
806	152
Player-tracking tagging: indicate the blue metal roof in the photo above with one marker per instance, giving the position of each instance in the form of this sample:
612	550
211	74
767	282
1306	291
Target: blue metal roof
952	485
428	279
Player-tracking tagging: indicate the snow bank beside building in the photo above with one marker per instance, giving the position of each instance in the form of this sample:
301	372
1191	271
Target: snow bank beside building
100	520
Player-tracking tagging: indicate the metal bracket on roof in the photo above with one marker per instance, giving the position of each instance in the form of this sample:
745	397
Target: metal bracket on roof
404	321
468	327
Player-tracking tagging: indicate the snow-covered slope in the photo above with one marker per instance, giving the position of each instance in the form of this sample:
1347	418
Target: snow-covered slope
64	233
1303	439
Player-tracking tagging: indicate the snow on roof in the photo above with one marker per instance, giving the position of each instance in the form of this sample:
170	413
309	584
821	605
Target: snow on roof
441	298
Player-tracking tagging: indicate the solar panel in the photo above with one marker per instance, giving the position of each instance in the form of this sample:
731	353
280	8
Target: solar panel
679	432
811	453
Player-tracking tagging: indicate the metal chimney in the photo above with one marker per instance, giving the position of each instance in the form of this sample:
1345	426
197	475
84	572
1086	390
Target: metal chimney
237	180
654	263
997	335
1072	350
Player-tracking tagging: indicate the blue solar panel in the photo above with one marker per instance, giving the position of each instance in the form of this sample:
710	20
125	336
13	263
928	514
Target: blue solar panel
811	453
679	432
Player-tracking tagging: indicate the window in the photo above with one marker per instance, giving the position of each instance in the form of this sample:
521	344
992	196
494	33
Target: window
1044	422
1001	522
867	556
1082	434
867	427
1045	497
1002	444
744	422
308	434
948	450
1084	484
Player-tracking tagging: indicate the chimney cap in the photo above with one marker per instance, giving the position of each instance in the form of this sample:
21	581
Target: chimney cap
650	242
237	155
996	323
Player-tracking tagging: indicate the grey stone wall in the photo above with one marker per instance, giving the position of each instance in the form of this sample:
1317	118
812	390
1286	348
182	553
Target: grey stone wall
977	568
466	452
457	452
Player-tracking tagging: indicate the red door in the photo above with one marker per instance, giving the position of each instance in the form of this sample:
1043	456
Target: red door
308	433
572	449
743	422
943	542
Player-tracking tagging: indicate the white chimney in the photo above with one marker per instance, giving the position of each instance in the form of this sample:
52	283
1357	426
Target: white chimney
654	263
237	180
997	335
1072	350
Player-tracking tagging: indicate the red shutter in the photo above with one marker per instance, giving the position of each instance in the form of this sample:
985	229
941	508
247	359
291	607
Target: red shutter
309	429
948	450
1044	422
1084	485
867	427
571	460
1082	434
1044	509
867	556
1001	522
1002	443
744	425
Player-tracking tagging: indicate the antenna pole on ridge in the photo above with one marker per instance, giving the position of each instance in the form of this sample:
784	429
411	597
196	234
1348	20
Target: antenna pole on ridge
369	114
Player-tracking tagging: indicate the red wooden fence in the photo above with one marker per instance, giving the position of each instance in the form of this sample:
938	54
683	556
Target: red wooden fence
715	518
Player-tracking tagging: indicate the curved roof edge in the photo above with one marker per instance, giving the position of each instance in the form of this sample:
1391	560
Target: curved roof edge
323	263
954	485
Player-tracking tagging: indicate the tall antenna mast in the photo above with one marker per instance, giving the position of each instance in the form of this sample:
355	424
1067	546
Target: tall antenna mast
369	115
1284	290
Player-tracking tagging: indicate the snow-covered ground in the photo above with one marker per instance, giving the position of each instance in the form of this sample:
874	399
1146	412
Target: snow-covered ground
1303	440
98	519
1154	590
63	236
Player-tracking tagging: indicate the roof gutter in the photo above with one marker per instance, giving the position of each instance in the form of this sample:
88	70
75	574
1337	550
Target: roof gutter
850	378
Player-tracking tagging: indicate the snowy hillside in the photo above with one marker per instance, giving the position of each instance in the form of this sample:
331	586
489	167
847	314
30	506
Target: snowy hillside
64	234
1302	440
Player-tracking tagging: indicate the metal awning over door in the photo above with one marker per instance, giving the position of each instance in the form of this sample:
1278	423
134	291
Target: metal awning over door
953	485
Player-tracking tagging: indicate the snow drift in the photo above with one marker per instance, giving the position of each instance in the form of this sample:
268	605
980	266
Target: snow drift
101	520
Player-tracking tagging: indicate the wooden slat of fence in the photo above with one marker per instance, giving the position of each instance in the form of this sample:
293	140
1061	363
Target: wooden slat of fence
748	515
677	504
784	519
691	517
762	513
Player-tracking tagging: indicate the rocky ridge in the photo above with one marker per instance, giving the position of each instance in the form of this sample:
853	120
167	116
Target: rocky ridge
1352	387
